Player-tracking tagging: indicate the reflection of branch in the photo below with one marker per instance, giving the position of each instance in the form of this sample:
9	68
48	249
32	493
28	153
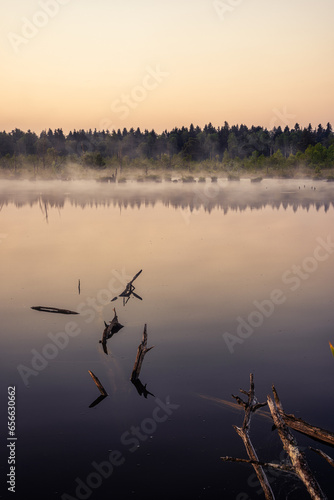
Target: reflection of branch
141	351
97	401
45	210
141	389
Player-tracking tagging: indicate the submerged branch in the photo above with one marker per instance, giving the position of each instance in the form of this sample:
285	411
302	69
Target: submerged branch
298	459
53	310
141	351
280	467
250	406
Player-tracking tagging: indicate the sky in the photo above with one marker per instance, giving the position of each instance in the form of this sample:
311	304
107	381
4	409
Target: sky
110	64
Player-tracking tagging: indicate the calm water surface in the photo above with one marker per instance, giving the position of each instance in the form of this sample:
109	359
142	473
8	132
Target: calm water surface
236	278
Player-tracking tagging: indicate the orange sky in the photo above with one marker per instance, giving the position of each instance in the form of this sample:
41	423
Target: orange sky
103	64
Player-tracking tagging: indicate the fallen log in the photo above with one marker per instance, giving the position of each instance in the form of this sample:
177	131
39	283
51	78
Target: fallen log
312	431
53	310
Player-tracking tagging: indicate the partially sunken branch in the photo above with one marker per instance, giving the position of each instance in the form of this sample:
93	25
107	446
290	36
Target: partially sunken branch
98	384
53	310
298	464
141	351
301	426
250	407
298	459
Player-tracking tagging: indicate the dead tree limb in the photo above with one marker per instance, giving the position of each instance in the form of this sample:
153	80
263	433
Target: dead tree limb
141	351
98	384
250	407
310	430
53	310
297	457
129	290
304	427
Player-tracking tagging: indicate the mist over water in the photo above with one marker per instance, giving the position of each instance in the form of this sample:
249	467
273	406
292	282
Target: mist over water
225	195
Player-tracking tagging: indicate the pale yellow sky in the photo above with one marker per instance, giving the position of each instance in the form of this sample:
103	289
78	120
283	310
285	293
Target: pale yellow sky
101	64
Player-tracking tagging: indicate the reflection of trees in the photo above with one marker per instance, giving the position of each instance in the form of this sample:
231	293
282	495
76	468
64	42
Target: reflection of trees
224	197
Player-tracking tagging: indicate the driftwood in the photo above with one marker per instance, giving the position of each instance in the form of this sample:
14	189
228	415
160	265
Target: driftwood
110	330
297	457
53	310
129	290
295	423
298	464
303	427
250	407
98	384
141	351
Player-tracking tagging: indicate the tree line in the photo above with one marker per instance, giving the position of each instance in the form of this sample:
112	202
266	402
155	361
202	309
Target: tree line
237	145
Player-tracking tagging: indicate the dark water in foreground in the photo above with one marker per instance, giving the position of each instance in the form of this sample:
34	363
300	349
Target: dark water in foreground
236	278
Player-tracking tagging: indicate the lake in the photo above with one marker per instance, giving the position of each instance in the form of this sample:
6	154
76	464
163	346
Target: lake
237	278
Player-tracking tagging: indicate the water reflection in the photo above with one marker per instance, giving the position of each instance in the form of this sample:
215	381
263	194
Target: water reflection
199	281
97	401
223	195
